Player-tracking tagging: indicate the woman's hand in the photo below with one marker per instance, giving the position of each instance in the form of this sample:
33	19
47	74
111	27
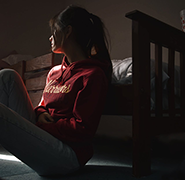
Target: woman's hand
45	118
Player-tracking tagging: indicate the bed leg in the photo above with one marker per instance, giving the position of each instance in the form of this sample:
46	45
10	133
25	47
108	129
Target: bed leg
141	153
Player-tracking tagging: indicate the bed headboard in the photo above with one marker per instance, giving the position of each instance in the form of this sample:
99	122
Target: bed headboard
147	30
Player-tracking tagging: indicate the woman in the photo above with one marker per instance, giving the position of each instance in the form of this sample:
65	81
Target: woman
56	136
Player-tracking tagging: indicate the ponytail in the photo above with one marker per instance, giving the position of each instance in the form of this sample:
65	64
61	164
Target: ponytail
89	32
99	42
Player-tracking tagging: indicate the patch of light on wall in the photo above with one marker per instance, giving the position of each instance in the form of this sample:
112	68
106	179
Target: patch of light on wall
8	158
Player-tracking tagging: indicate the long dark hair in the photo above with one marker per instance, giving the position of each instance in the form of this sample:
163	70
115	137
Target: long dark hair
89	32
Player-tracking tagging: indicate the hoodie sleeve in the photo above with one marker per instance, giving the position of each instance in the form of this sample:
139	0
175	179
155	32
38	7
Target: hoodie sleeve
41	106
87	111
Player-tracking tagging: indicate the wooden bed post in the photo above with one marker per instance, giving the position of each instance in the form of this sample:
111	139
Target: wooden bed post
141	122
141	107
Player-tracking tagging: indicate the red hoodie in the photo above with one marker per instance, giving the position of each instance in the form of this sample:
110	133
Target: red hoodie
74	96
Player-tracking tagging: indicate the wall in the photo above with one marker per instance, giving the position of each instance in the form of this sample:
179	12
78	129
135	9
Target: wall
24	24
113	15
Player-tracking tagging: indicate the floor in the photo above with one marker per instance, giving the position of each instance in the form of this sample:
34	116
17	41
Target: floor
112	161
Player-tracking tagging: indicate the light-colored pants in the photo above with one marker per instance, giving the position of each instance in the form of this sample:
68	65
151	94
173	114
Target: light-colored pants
20	136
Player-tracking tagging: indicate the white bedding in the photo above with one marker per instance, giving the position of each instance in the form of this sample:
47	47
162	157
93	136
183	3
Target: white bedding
122	71
122	74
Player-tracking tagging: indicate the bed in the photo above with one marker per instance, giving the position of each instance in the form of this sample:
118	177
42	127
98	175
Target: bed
148	33
134	97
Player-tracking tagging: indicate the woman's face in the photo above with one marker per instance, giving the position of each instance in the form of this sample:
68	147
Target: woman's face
56	42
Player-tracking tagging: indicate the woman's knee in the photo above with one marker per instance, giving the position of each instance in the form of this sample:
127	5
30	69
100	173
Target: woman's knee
9	74
9	79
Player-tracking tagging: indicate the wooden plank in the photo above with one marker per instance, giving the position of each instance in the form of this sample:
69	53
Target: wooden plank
182	83
40	62
158	80
171	73
163	33
35	83
32	74
35	97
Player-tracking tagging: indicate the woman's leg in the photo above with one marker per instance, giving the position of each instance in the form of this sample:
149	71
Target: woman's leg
13	94
35	147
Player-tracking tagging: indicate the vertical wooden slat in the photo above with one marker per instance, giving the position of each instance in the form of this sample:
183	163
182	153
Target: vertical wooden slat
171	95
141	107
182	83
158	80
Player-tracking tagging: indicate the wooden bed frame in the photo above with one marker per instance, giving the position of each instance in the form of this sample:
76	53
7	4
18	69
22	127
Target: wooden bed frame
147	30
146	123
